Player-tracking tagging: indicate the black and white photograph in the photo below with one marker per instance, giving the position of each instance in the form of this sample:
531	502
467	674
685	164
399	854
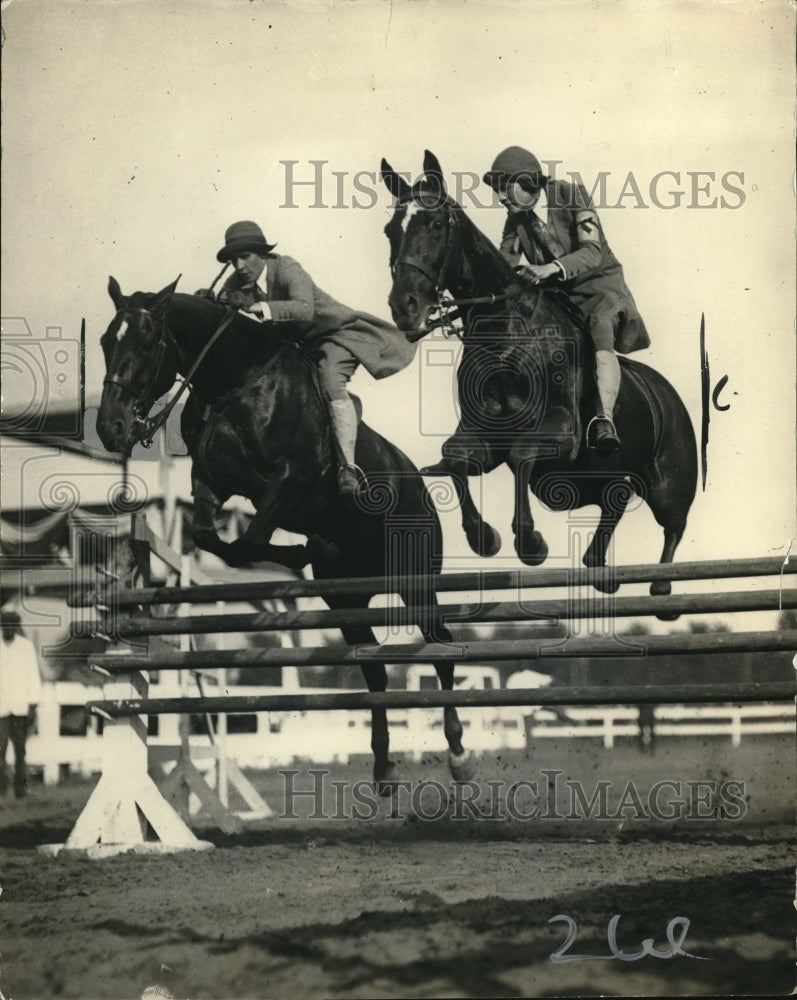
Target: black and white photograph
398	515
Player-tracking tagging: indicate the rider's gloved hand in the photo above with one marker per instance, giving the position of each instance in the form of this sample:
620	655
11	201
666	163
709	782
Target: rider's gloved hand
260	310
536	273
234	298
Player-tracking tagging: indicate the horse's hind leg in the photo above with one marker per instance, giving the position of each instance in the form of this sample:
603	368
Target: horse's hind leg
613	502
375	676
670	512
460	760
661	588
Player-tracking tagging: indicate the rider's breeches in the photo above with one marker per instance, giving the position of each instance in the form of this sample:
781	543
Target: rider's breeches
603	324
336	365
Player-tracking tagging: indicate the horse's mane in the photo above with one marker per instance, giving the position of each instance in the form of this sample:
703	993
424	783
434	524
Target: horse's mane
518	287
262	339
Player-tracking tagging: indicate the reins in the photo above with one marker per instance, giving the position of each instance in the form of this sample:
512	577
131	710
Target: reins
447	306
147	427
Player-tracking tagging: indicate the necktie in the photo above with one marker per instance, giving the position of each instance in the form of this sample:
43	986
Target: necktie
549	247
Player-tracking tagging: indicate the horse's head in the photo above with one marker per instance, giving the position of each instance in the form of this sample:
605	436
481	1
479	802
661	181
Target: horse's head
140	365
440	249
425	258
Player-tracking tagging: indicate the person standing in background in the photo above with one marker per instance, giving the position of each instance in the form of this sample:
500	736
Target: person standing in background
20	691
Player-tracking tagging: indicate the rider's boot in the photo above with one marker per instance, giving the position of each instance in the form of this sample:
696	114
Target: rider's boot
351	477
607	370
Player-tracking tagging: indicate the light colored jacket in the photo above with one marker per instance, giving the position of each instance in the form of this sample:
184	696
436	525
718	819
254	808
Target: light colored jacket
593	276
293	297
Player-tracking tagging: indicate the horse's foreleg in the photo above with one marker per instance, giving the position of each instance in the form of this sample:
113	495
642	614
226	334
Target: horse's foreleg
530	546
206	505
254	544
482	537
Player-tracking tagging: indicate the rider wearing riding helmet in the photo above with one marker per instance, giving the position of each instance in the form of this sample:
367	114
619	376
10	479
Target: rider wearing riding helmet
554	225
273	288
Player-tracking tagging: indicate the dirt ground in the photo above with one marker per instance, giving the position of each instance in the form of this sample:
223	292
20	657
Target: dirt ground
396	907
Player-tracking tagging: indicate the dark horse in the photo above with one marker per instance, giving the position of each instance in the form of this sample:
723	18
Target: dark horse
526	391
256	426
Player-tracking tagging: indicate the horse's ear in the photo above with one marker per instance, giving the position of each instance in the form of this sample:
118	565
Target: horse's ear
432	168
165	293
115	291
396	184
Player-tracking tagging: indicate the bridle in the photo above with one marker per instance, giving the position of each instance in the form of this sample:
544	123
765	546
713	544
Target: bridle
146	427
448	308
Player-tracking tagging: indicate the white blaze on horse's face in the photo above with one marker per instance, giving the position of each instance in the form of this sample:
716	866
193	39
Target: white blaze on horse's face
413	208
120	333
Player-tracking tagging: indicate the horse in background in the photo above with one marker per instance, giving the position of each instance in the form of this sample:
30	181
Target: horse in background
256	426
525	386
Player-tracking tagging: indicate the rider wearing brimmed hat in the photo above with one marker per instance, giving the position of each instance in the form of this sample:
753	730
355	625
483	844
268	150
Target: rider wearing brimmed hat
554	225
276	289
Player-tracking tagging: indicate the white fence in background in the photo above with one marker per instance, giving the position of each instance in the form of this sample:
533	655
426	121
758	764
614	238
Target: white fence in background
66	741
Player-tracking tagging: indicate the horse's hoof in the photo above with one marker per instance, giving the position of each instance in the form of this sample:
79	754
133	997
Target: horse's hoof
603	580
298	558
231	823
462	766
663	588
486	542
532	551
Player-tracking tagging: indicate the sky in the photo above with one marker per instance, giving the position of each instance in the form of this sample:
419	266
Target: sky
135	132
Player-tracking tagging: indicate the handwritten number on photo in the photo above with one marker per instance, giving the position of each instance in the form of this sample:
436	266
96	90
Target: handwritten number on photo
675	946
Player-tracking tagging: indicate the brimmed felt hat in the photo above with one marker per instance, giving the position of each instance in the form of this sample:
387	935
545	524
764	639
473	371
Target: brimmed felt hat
516	164
242	237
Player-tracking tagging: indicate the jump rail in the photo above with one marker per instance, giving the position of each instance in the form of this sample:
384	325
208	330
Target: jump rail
473	652
718	569
113	819
605	606
476	698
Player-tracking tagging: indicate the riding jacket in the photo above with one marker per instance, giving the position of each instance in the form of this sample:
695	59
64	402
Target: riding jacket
593	277
293	297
